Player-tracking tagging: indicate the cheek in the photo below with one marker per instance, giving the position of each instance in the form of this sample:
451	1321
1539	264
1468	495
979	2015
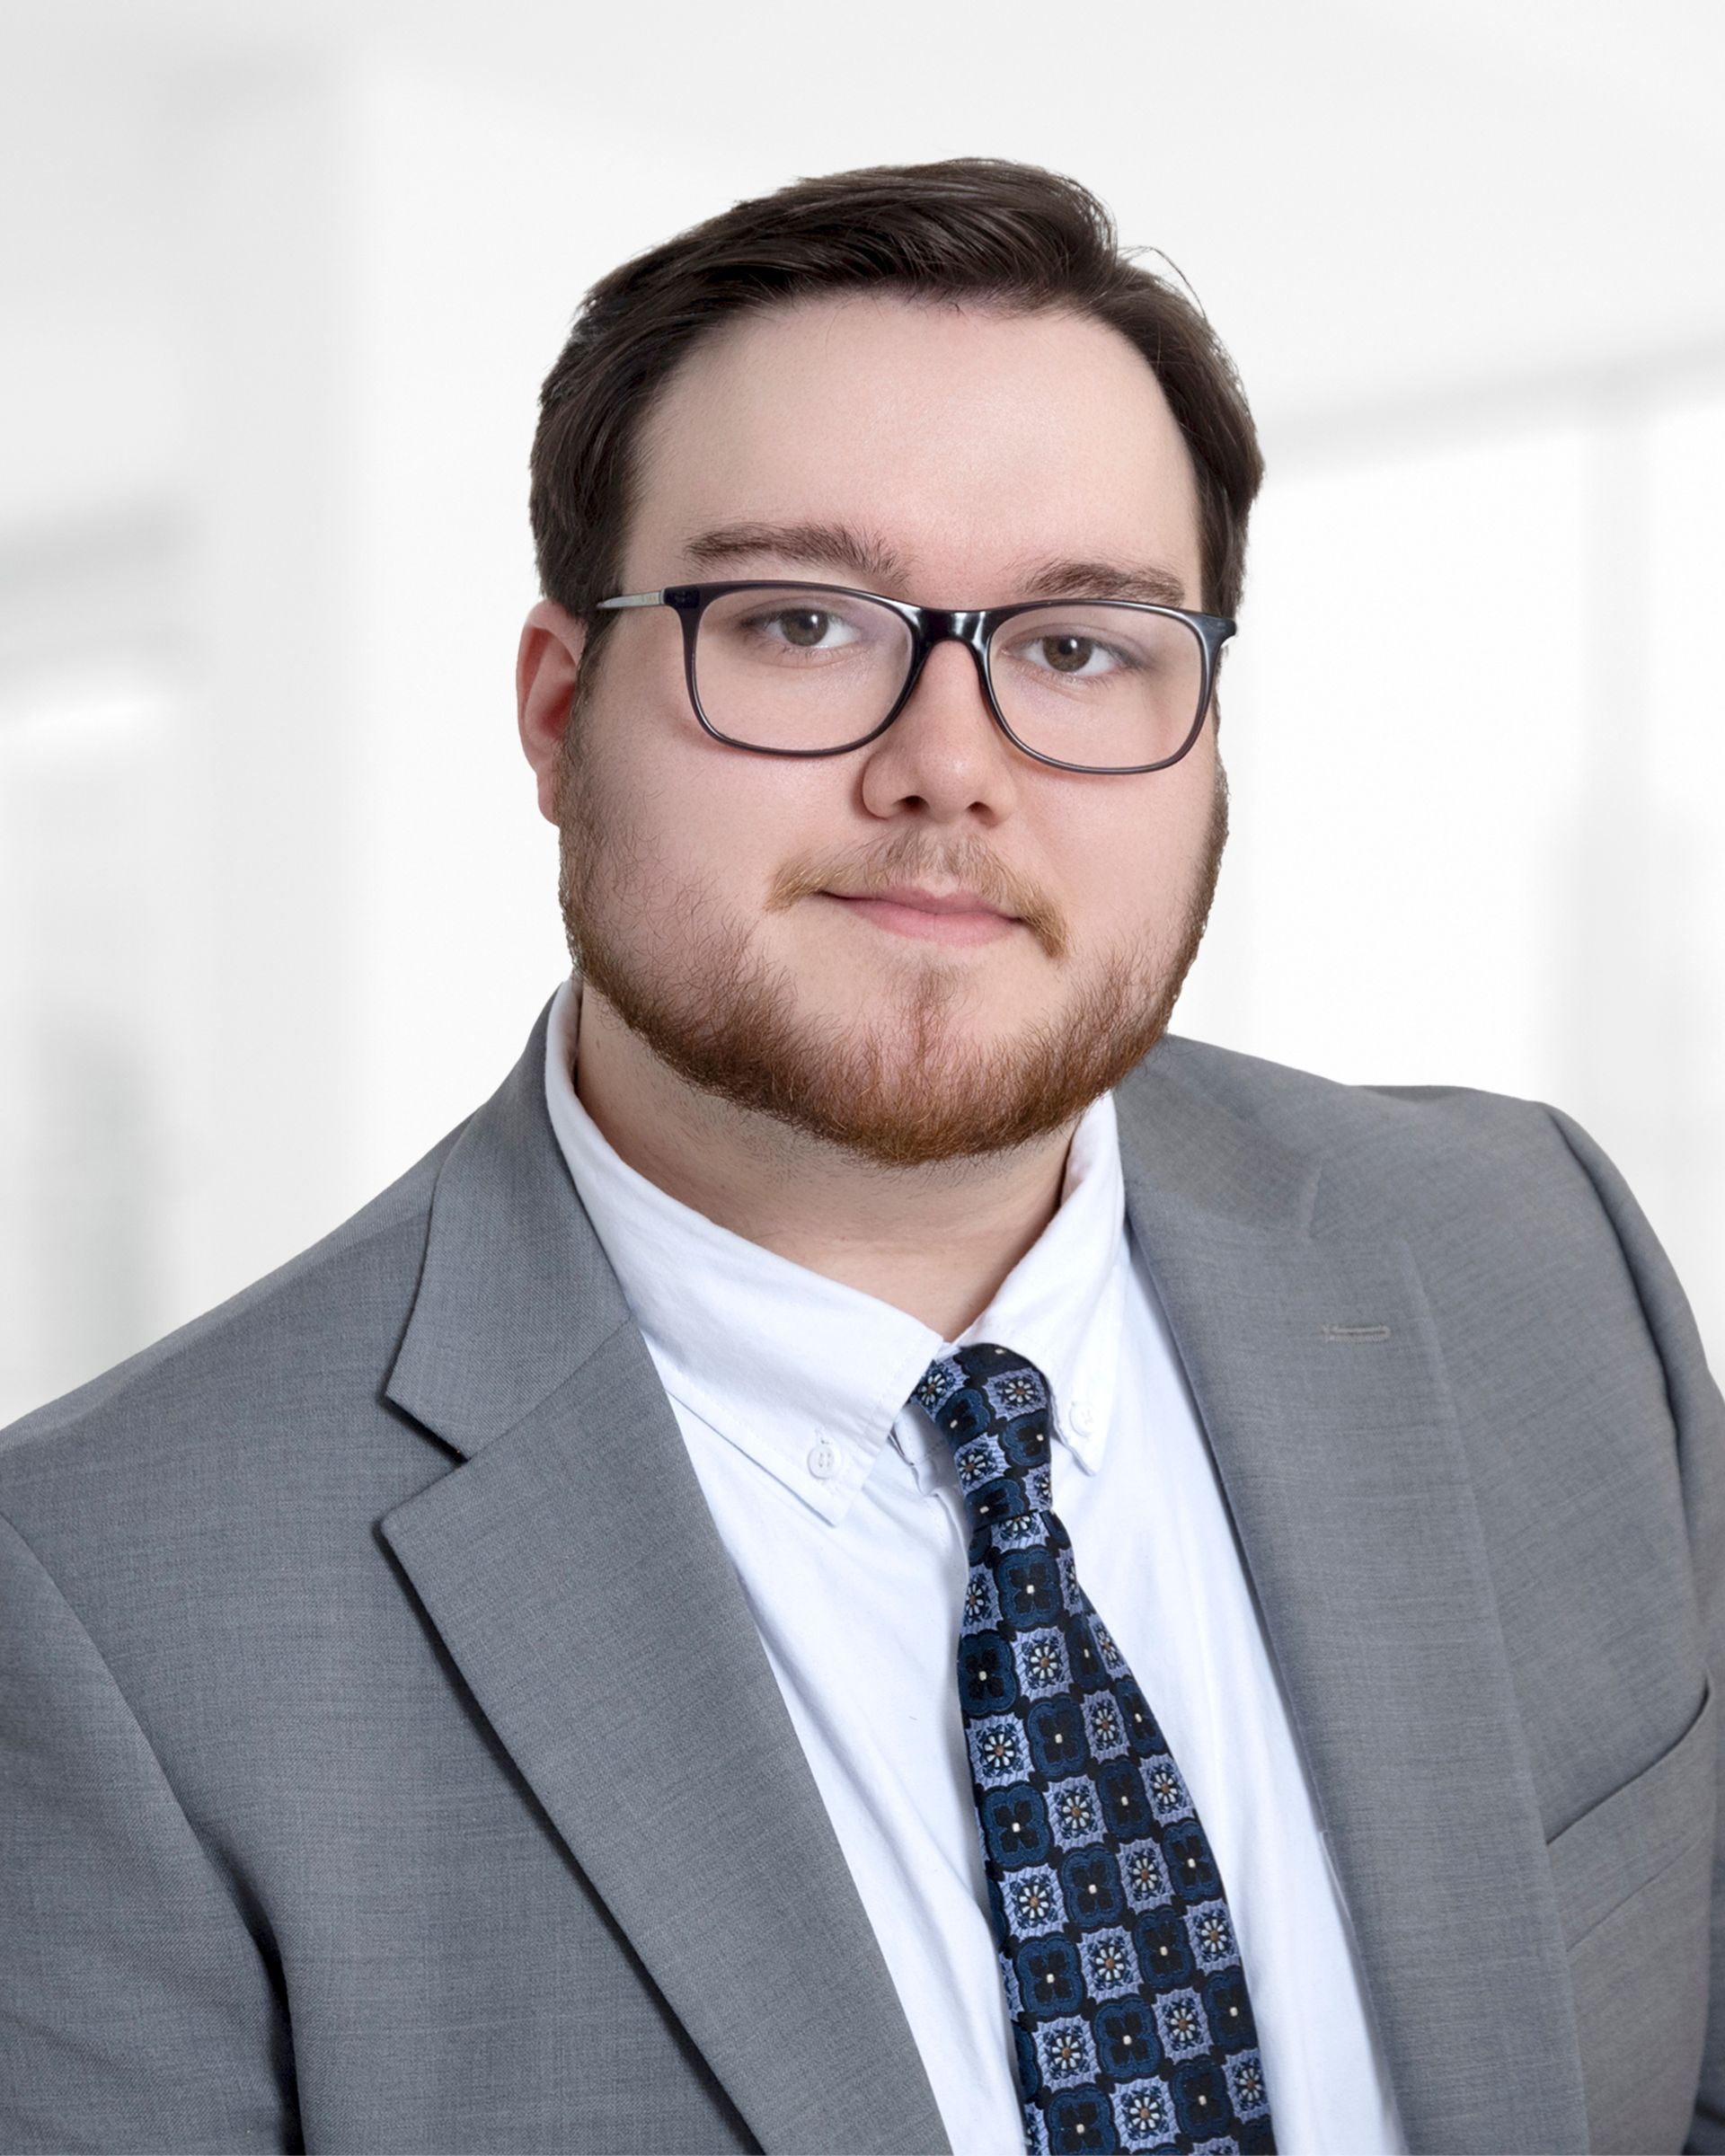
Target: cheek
707	823
1126	860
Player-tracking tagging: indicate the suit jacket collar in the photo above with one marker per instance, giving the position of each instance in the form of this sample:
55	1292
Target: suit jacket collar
515	1294
581	1588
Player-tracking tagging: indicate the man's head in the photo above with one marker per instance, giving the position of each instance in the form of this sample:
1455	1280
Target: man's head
945	385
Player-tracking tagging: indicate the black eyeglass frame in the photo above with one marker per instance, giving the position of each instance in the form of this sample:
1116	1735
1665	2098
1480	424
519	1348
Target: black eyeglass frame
972	626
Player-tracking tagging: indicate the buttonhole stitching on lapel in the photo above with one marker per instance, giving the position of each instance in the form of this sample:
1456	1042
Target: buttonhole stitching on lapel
1334	1333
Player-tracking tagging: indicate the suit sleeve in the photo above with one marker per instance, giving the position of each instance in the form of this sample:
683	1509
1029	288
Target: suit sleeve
1699	1415
137	2011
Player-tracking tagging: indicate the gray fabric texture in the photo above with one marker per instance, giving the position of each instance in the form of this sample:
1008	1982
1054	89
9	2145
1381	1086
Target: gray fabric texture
388	1760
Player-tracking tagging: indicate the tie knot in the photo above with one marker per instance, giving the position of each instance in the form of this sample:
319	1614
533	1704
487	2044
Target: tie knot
992	1408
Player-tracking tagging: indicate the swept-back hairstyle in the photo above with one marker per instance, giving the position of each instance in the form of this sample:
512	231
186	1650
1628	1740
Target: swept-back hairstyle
978	229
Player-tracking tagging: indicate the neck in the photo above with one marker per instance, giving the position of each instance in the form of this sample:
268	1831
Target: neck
848	1218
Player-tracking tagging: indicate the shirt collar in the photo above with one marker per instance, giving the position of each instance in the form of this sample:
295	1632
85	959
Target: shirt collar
808	1376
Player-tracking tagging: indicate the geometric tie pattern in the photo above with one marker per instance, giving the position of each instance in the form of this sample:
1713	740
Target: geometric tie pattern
1130	2019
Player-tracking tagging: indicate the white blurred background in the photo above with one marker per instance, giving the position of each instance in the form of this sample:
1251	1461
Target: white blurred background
277	284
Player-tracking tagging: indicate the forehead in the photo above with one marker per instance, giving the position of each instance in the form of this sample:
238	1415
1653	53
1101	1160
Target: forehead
968	439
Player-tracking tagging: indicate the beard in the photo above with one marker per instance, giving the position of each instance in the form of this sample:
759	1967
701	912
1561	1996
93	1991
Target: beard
905	1083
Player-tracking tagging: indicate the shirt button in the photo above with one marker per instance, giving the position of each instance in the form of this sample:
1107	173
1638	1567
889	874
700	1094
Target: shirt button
1083	1415
823	1459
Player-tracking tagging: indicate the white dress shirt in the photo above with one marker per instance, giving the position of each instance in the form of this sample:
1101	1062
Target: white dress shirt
839	1506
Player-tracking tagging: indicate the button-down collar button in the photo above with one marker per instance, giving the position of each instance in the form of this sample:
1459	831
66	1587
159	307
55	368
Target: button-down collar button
823	1459
1082	1415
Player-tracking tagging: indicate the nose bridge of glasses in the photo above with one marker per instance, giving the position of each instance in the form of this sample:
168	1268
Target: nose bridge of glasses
966	626
958	624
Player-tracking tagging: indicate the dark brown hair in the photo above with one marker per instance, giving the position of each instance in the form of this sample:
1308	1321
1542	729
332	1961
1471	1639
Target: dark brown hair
971	228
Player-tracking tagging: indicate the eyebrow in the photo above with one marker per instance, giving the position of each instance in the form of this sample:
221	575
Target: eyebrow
862	555
828	546
1065	577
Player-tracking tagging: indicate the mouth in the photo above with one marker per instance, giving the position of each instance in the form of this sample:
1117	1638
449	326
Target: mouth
951	917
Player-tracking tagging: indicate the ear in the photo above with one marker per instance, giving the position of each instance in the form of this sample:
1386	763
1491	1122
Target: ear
547	668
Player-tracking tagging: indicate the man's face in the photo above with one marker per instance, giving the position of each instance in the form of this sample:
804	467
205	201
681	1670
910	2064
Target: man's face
720	901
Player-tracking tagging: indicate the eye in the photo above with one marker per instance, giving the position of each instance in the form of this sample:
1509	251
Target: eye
1067	654
804	628
1071	654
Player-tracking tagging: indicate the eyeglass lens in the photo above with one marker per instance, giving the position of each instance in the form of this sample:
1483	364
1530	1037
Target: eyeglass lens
806	669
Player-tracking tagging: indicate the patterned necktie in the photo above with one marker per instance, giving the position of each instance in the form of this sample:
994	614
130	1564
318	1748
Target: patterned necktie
1130	2017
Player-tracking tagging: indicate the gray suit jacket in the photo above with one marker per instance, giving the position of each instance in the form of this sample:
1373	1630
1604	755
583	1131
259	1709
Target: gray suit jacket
388	1760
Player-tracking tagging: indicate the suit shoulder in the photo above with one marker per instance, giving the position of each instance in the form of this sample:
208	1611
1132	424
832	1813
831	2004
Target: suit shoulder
321	1326
1402	1150
1303	1105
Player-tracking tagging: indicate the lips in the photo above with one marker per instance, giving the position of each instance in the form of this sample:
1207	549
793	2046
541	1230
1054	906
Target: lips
928	902
949	917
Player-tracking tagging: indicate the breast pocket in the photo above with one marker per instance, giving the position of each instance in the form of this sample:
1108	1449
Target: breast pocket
1634	1886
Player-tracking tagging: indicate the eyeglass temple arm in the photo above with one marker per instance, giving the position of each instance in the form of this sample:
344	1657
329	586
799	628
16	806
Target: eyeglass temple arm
631	599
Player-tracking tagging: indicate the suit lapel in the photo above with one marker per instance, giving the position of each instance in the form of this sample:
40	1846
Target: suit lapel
1317	1374
573	1571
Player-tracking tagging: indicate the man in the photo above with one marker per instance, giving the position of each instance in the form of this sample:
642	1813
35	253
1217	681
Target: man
875	1555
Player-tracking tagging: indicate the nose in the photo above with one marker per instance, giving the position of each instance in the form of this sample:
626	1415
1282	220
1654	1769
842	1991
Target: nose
943	757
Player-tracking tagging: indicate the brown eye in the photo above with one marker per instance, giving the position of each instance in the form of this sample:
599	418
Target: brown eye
1067	654
805	629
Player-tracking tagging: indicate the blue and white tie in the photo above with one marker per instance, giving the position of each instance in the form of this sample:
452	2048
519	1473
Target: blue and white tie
1131	2023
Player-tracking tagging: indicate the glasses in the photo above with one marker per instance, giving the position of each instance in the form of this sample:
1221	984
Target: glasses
794	669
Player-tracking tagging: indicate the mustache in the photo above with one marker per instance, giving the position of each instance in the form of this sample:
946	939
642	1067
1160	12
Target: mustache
917	860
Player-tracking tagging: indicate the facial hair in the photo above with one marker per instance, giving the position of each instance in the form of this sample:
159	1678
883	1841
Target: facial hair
900	1085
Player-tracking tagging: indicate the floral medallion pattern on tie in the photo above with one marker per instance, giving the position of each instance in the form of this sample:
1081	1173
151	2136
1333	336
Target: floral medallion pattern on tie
1130	2018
